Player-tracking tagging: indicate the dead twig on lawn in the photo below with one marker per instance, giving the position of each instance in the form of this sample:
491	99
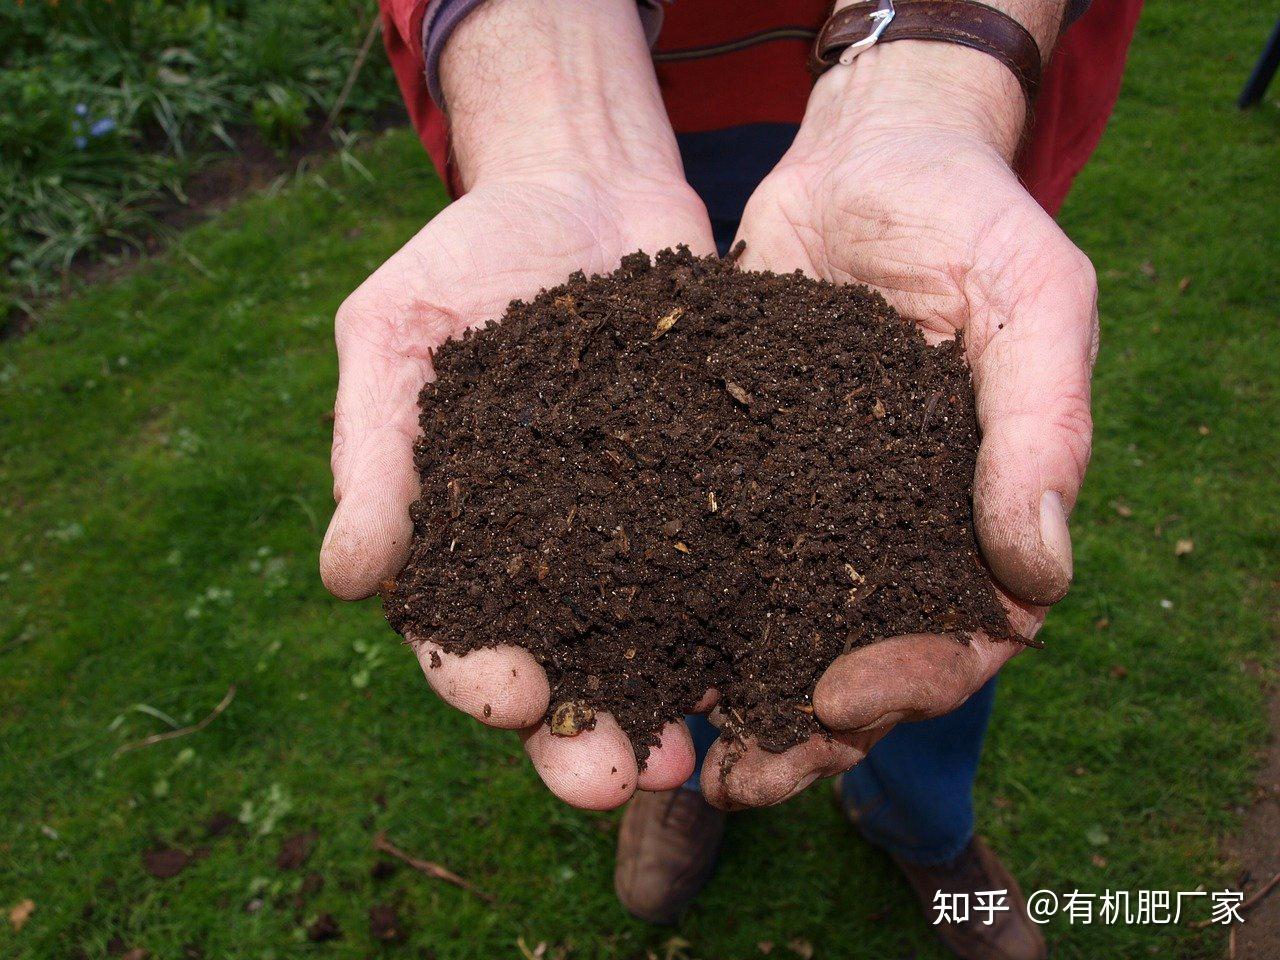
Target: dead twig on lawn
181	731
431	869
1248	904
1258	897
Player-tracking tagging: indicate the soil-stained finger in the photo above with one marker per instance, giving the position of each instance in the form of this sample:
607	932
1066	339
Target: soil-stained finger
503	686
671	762
708	701
906	678
594	770
757	778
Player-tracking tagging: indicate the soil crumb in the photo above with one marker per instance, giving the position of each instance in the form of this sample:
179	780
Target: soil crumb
682	475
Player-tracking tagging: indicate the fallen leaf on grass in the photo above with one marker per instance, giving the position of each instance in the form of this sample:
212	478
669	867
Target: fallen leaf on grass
20	913
324	929
765	947
1183	547
164	863
1123	509
384	924
295	851
220	823
801	948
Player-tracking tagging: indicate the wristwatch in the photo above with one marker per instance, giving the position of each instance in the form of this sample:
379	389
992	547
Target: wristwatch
860	26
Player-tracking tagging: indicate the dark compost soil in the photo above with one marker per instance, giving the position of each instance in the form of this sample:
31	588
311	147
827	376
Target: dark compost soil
681	476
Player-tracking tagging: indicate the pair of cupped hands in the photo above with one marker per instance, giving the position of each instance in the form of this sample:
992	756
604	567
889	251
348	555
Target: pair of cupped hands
930	215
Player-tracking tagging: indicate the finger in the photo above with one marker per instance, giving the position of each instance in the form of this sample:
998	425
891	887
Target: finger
1032	379
905	678
595	770
375	424
735	776
502	687
708	701
670	763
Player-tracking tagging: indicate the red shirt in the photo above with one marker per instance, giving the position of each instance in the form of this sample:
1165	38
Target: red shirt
726	63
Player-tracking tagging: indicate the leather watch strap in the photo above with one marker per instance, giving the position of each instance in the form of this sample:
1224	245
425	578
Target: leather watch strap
965	22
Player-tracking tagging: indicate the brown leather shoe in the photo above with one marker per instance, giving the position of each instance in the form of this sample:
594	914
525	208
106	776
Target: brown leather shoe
1010	936
667	849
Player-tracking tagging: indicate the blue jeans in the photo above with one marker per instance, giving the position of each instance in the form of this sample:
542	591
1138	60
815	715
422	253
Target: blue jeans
913	794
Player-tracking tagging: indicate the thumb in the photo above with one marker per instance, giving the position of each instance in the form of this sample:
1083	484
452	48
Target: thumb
1032	381
375	425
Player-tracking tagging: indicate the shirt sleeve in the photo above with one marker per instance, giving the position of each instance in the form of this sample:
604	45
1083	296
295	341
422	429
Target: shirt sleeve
1075	10
402	35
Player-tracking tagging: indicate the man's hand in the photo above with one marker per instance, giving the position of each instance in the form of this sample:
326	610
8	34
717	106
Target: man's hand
900	179
570	164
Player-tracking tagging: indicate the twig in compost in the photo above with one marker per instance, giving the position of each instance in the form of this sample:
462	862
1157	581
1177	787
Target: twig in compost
431	869
181	731
928	411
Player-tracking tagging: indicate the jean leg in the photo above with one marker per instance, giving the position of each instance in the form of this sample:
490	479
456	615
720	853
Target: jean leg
913	794
704	735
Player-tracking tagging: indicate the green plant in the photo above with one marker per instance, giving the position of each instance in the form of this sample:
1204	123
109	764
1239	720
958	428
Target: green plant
108	106
280	115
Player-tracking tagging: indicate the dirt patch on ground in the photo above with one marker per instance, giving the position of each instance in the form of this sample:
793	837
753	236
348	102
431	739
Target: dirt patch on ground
1257	848
682	476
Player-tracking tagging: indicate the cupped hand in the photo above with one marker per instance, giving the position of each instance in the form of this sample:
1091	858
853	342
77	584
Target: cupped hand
936	221
505	239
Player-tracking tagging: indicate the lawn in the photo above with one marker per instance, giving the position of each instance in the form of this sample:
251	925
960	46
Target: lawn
164	486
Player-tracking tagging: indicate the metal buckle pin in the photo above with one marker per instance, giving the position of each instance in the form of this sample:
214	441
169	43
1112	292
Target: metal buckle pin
882	17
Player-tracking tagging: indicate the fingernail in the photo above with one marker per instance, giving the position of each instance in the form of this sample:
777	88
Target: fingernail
884	720
1054	533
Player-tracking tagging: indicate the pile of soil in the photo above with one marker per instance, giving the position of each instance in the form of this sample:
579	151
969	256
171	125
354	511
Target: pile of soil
682	475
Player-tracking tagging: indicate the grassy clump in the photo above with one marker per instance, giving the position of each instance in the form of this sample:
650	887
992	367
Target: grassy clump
107	106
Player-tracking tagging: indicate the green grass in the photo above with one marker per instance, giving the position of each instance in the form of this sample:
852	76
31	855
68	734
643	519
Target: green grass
163	468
